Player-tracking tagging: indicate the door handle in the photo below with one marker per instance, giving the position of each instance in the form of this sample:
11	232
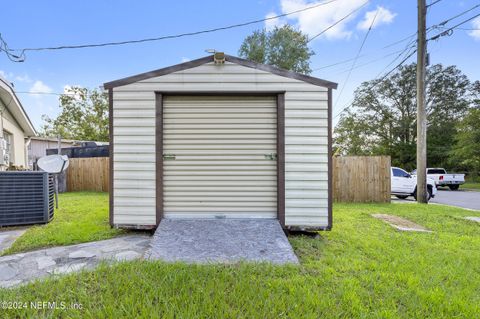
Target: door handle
271	156
167	157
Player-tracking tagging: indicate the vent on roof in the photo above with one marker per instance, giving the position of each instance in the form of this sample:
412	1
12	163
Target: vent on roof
26	198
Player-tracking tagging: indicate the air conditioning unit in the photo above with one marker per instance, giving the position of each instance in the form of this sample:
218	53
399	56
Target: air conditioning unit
26	197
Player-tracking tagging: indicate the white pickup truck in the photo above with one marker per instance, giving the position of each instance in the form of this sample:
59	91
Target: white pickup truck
404	184
441	178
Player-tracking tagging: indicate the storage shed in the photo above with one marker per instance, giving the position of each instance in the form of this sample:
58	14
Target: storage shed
221	137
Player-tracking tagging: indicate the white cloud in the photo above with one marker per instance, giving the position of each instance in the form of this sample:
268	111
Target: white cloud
185	59
475	25
272	23
67	89
384	16
5	75
313	21
23	78
40	87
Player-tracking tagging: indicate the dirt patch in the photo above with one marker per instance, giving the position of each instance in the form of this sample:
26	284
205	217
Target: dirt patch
401	223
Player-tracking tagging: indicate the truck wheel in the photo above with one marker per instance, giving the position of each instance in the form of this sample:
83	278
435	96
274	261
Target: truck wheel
401	196
453	187
429	193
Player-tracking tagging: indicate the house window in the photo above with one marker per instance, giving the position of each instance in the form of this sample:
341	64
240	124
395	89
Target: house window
9	141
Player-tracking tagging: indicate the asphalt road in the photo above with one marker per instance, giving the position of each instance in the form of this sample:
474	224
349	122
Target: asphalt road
460	198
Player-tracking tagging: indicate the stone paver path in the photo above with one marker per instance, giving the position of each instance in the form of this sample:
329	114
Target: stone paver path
401	223
8	237
24	267
221	241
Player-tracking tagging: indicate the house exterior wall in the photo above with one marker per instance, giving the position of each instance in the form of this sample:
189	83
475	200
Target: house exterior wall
10	126
306	139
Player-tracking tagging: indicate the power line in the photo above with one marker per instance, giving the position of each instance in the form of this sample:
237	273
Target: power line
81	46
356	57
371	61
433	3
443	23
364	55
449	31
379	80
44	93
446	32
337	22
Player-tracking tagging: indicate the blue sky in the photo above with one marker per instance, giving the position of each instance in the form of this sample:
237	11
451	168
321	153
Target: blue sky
51	23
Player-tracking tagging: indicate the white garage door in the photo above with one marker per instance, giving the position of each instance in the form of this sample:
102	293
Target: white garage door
219	157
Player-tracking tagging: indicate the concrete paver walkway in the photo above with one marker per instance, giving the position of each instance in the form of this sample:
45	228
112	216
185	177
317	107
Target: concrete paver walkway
221	240
24	267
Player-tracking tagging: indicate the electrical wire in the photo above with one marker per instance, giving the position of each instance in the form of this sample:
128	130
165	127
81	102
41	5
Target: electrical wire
356	57
433	3
443	23
412	45
449	31
44	93
187	34
337	22
379	80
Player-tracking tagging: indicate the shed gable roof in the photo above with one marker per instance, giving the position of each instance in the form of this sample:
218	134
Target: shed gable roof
228	58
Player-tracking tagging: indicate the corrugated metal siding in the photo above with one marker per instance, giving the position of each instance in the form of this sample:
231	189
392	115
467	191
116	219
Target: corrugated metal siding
306	133
134	159
215	149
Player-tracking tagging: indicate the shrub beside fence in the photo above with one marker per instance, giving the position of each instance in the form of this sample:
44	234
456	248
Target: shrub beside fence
361	179
88	174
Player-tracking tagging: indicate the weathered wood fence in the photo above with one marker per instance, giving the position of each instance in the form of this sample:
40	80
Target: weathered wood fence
356	179
361	179
88	174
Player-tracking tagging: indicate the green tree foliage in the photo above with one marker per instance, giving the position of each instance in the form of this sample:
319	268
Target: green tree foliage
382	119
283	47
83	116
466	150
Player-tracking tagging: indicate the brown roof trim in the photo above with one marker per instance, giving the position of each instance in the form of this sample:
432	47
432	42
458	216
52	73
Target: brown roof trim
228	58
330	161
282	72
111	209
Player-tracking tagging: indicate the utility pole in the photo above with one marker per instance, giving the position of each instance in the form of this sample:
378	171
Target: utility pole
421	112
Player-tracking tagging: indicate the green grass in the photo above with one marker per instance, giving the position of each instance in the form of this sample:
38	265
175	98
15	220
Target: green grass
81	217
363	268
471	185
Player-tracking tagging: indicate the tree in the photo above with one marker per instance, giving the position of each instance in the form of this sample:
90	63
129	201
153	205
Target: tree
382	119
283	47
83	116
466	151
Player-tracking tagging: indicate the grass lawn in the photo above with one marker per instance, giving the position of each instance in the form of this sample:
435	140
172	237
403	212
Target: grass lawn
471	185
361	269
81	217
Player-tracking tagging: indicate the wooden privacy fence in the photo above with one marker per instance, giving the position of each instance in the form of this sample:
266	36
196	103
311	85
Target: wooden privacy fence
356	179
88	174
361	179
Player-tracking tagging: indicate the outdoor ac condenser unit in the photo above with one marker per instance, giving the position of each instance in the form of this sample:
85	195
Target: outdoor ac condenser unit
26	198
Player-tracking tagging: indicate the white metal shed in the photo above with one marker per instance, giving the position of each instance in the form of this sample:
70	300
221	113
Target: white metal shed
221	137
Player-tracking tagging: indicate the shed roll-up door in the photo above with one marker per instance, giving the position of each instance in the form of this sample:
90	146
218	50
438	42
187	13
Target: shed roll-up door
219	157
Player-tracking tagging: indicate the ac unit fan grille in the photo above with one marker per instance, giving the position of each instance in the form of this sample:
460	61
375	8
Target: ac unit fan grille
26	198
